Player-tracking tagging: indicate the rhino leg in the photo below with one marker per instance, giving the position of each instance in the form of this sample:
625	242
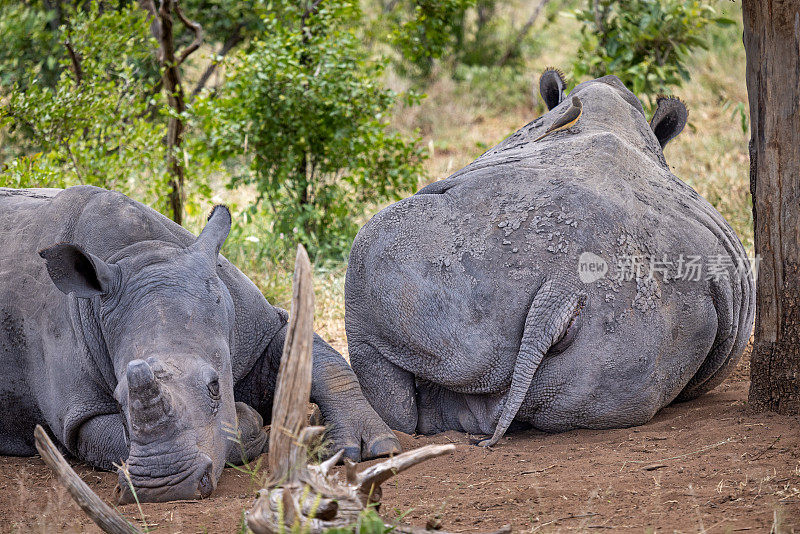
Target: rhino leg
387	387
441	410
101	441
252	439
553	310
728	343
352	423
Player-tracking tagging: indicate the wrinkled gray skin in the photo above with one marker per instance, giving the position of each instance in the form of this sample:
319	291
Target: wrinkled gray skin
132	340
464	306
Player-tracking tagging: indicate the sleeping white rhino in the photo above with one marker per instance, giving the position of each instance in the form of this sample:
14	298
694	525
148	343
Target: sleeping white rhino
131	340
567	282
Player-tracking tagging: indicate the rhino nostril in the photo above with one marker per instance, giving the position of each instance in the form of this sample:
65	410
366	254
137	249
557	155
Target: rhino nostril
206	485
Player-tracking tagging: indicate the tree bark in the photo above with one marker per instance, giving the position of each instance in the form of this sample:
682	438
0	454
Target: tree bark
772	44
161	27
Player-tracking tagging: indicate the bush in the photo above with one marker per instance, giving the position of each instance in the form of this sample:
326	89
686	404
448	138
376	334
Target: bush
30	50
643	42
305	109
91	127
462	33
424	30
102	122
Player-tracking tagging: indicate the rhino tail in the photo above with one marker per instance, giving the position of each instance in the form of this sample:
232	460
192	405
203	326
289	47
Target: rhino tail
552	312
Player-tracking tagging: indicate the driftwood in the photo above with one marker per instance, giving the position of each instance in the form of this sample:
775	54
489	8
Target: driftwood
296	492
106	517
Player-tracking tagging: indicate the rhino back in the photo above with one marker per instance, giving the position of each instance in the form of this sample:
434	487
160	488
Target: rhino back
450	273
33	315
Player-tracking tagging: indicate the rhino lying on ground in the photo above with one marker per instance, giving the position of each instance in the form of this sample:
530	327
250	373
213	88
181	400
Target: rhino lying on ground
132	340
546	283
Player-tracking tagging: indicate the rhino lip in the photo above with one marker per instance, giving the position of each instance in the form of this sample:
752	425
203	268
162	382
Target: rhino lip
154	483
206	485
194	481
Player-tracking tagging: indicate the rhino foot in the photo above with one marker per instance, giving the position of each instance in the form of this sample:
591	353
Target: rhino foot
363	436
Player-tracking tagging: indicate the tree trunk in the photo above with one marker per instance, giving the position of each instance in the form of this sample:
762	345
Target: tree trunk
162	28
772	44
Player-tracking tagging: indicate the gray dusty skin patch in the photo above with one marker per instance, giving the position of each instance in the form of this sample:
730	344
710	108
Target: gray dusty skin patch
448	291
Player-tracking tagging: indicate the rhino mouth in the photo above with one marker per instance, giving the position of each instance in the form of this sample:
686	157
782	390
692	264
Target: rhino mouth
142	482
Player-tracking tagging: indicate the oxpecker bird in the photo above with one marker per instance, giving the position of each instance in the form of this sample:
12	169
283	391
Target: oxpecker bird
567	120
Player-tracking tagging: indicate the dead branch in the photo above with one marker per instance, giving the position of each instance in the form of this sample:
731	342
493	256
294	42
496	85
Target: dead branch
294	376
106	517
198	34
310	495
75	60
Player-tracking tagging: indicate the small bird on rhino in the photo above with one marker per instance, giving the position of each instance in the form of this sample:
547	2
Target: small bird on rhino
567	120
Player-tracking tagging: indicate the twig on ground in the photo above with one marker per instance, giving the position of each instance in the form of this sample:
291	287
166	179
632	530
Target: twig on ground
771	445
653	467
538	470
574	516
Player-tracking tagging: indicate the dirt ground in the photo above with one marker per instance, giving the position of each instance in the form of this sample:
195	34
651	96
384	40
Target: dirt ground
703	466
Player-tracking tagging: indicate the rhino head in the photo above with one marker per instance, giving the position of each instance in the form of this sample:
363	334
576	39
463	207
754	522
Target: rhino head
668	119
166	319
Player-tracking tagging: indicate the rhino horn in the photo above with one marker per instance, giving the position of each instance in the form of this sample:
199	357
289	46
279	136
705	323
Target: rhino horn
149	404
215	231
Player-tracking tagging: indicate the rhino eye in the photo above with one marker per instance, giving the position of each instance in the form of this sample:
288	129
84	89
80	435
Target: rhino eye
213	389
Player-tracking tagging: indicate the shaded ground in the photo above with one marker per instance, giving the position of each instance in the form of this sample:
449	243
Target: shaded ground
707	465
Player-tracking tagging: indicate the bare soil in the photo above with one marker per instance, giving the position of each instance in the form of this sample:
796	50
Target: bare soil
707	465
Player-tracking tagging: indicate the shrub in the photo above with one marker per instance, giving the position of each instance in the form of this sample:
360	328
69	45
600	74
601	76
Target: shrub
102	122
91	127
305	109
644	42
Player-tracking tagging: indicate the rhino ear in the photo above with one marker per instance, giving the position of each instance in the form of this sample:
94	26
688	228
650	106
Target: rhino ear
215	232
74	270
552	86
669	119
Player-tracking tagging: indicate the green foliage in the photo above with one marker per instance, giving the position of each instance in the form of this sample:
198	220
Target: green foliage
30	50
462	33
28	171
223	18
646	43
425	30
369	522
102	123
93	128
307	112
